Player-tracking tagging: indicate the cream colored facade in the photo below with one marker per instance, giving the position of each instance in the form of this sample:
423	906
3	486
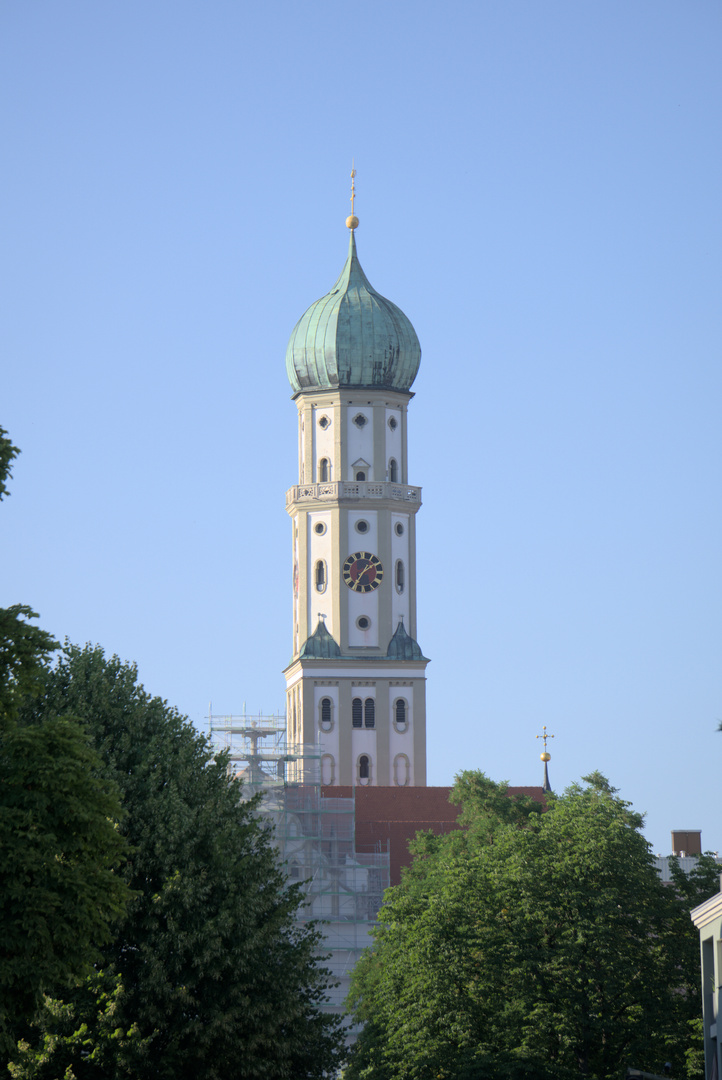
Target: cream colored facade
354	507
708	920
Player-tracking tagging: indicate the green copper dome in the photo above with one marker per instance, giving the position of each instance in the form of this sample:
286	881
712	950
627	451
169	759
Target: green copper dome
353	336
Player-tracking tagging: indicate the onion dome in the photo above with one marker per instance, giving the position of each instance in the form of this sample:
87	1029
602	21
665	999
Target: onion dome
402	646
320	645
353	337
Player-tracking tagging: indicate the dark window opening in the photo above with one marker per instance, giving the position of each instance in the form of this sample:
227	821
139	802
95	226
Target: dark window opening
360	475
323	470
393	471
364	767
356	712
401	712
320	575
326	710
369	712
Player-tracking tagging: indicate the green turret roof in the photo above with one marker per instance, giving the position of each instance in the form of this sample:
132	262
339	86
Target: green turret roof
402	646
353	336
320	645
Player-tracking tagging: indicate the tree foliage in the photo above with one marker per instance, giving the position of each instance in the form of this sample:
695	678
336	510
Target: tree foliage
541	943
59	847
8	453
215	979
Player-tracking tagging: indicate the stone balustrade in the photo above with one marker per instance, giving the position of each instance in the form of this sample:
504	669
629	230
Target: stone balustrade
341	490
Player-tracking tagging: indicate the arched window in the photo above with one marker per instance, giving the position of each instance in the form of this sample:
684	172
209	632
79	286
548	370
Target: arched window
393	471
328	769
399	576
364	767
369	712
320	576
356	712
402	770
326	714
324	471
401	714
360	475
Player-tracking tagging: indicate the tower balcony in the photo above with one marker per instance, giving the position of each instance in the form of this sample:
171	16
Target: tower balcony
354	491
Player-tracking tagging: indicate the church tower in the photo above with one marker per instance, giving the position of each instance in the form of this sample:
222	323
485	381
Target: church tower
356	684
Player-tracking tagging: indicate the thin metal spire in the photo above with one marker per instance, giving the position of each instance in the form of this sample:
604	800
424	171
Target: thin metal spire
352	220
545	757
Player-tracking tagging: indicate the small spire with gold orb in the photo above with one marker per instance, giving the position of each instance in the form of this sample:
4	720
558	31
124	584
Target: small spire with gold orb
352	220
545	757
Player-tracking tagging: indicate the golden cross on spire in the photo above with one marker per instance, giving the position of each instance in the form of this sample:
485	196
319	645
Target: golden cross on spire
544	736
352	220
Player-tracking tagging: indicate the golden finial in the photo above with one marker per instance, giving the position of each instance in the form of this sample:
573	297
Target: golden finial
545	756
352	220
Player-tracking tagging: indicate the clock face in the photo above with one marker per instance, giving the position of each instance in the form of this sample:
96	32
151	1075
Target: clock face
362	571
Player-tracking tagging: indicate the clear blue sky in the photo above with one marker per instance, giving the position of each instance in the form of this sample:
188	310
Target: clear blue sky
539	190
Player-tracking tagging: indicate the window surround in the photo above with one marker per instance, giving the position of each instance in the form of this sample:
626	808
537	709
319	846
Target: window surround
325	714
400	715
364	770
402	769
328	762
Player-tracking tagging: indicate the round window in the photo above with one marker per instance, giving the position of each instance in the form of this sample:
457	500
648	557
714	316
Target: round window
399	529
363	622
319	528
362	526
393	423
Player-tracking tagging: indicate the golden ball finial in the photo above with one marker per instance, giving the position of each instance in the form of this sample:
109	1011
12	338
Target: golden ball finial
545	756
352	222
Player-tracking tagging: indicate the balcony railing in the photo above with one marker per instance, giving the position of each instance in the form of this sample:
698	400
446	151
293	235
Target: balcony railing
354	489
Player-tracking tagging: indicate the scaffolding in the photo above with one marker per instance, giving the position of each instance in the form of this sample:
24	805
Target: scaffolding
315	835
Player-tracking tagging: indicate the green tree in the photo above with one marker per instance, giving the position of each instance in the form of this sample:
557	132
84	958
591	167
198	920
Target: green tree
59	847
546	943
8	453
215	978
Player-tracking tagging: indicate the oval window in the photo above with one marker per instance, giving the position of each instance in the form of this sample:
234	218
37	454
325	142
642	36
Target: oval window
402	770
328	769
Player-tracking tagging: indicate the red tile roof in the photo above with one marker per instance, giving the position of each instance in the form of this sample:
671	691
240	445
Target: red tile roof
387	818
